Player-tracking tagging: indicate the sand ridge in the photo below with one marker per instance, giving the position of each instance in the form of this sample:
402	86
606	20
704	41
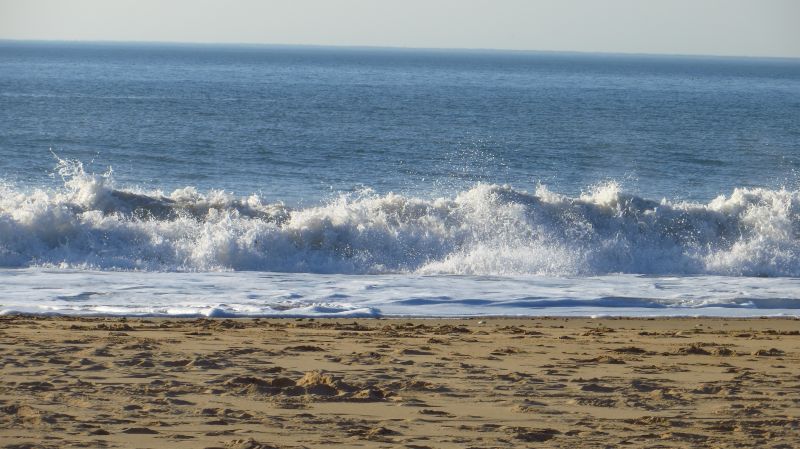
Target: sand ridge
482	383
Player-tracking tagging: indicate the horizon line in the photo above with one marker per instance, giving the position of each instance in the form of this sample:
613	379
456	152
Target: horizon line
392	47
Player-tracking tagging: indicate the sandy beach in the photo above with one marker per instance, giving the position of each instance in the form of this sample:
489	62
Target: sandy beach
291	383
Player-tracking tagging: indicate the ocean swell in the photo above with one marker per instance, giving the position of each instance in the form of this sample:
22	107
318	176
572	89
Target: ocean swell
486	230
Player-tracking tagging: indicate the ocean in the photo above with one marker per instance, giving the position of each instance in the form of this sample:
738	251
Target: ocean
228	181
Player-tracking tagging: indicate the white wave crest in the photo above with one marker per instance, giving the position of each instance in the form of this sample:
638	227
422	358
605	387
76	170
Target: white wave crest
488	229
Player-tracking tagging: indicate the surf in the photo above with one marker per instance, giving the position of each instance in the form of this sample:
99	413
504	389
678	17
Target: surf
489	229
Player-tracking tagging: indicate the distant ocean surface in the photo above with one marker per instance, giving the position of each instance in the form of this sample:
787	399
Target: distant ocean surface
191	180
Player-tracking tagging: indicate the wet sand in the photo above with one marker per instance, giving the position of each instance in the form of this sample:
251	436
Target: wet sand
505	383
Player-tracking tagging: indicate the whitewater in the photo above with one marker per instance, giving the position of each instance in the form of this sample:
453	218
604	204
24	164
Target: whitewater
488	250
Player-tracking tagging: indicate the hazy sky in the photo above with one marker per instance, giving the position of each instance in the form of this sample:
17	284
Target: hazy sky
716	27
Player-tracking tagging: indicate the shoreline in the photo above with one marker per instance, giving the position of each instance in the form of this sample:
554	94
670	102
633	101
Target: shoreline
483	382
56	317
596	316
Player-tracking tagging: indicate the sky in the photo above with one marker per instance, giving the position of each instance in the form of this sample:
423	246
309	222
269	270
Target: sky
705	27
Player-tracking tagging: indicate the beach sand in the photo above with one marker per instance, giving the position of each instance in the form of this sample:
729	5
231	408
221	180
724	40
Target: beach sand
538	382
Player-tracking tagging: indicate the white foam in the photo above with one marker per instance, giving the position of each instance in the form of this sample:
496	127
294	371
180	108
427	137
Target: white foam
259	294
486	230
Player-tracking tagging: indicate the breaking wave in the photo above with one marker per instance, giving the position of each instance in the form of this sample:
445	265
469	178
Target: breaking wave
486	230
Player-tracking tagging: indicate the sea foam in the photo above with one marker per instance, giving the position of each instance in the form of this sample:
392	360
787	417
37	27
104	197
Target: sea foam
489	229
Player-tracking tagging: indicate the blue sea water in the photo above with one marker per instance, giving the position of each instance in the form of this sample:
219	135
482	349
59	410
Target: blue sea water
266	180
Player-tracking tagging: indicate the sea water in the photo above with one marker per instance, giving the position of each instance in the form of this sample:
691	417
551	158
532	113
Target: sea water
194	180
